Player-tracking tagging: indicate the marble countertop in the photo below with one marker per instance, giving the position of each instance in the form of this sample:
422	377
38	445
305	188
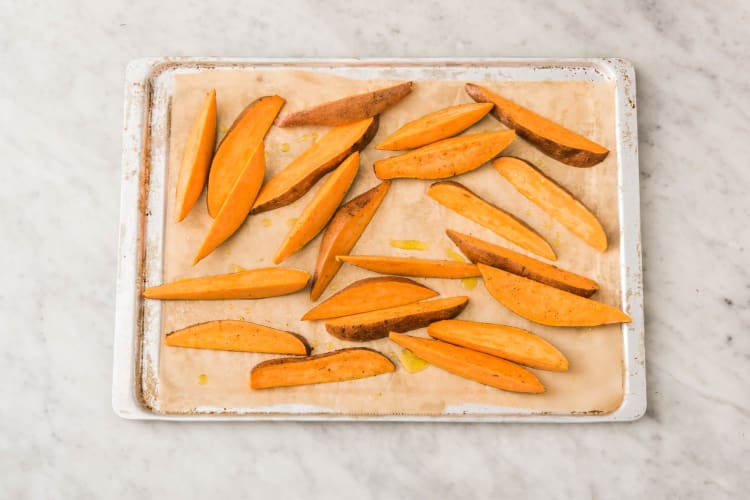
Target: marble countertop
60	138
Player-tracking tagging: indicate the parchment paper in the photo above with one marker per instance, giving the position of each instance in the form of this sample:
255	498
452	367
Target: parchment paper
594	382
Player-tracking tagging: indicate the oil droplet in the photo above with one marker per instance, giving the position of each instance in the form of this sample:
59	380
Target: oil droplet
547	225
329	345
528	212
304	138
315	137
236	268
267	222
241	317
223	129
202	379
556	242
469	283
315	343
411	362
285	147
247	310
452	254
334	287
410	244
291	221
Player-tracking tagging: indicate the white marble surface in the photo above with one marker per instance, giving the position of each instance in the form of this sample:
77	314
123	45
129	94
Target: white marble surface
60	119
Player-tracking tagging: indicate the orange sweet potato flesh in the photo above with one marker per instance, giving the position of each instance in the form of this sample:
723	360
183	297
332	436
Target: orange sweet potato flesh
547	136
376	324
559	203
196	157
241	336
349	109
252	284
484	252
342	234
507	342
435	126
337	366
297	178
445	158
470	364
461	200
370	294
247	131
319	211
545	304
410	266
237	204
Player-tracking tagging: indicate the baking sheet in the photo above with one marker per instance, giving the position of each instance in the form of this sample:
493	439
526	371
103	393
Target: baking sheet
596	383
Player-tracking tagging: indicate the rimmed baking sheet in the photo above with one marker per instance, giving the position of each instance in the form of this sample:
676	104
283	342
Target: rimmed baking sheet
607	377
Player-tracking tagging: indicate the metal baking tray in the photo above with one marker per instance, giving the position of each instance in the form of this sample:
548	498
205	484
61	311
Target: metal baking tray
146	124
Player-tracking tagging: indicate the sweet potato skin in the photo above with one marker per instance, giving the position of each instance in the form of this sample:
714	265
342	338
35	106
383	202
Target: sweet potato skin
446	158
196	157
545	304
277	192
435	126
376	324
337	366
554	199
348	109
483	252
410	266
463	201
473	365
321	208
507	342
238	336
573	156
248	129
343	232
370	294
251	284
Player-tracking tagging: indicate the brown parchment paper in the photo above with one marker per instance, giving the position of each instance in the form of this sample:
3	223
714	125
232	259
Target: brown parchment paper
594	382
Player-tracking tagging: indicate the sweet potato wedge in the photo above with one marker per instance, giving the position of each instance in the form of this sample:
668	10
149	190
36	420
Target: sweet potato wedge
435	126
461	200
349	109
409	266
445	158
252	284
507	342
237	204
376	324
337	366
196	157
319	211
547	136
342	234
546	304
473	365
558	202
247	131
480	251
241	336
370	294
303	172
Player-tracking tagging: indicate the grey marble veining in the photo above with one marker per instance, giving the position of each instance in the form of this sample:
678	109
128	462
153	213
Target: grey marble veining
60	119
